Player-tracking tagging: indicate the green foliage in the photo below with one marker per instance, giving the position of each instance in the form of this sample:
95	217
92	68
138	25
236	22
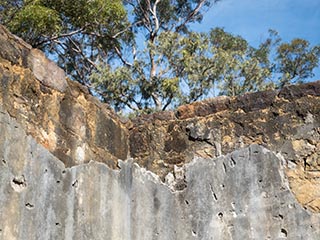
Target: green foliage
296	61
75	33
96	43
189	67
33	21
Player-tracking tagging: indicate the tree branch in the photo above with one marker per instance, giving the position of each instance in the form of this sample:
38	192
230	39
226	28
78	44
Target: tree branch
118	52
192	14
156	20
126	29
70	34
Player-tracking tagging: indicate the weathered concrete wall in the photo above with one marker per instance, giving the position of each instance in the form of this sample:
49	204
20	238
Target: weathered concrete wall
226	168
243	195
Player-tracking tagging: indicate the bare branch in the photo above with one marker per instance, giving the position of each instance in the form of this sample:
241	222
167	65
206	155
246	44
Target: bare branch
126	29
156	20
191	15
79	50
156	101
167	103
70	34
121	57
147	22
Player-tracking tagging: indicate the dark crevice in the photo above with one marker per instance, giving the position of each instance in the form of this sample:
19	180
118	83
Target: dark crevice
29	206
232	163
214	196
19	181
284	232
205	140
224	167
75	184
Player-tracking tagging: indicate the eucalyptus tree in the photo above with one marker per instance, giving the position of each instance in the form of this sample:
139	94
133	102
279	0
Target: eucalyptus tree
141	54
74	33
149	83
296	61
190	67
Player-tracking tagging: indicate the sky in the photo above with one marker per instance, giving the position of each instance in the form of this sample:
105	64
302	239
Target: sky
252	19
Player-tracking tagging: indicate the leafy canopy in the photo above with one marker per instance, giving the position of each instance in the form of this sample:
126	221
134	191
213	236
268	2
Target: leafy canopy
74	32
141	54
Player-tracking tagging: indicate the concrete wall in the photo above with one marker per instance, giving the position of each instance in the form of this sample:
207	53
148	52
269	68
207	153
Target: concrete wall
243	195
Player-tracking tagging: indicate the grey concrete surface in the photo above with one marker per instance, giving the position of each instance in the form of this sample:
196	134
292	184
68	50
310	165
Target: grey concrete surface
243	195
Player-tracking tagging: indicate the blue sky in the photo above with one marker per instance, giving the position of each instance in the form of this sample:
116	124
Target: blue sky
251	19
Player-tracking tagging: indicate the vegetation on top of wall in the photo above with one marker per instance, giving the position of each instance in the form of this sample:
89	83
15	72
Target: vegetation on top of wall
141	54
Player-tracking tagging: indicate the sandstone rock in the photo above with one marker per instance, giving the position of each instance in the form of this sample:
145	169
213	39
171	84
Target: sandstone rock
287	121
46	71
60	114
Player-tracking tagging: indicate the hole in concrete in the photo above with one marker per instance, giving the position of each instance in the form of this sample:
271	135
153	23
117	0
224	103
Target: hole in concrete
58	181
278	217
224	168
282	188
19	183
4	161
194	233
57	224
29	206
215	196
232	163
186	202
283	233
75	184
46	170
63	171
220	215
260	181
222	186
213	193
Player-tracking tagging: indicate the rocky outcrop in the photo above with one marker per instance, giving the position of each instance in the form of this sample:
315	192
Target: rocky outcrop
225	168
60	114
286	122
